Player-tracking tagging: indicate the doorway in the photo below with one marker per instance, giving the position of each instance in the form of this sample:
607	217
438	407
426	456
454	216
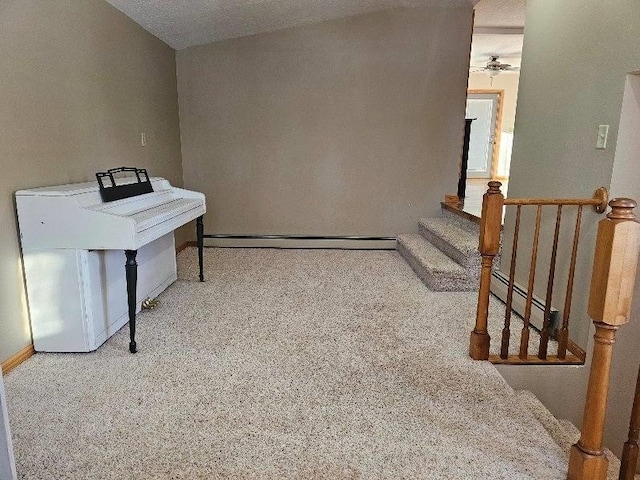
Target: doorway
485	107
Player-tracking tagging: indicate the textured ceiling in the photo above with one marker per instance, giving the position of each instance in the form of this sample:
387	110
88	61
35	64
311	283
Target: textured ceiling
507	47
500	13
184	23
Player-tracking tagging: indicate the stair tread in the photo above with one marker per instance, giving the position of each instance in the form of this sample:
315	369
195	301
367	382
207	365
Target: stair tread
452	233
429	256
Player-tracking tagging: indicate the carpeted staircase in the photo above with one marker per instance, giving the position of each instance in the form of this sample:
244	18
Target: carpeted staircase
445	253
562	431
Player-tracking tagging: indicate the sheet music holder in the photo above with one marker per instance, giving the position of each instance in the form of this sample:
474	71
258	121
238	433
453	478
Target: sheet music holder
112	191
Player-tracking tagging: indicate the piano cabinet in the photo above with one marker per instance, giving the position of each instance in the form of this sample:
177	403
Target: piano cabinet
78	298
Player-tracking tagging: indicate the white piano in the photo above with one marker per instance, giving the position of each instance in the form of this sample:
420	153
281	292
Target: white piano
89	263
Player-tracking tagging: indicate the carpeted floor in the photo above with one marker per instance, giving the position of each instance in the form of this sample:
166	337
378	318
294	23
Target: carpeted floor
283	364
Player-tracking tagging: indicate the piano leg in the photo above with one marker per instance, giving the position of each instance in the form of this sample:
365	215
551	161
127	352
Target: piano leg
131	268
200	237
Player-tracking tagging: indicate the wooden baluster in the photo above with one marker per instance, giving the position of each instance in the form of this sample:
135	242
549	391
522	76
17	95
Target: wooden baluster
506	332
630	451
544	333
612	284
563	335
524	338
490	229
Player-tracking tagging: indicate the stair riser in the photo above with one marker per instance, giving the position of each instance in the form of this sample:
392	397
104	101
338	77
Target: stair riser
473	228
469	260
462	222
435	281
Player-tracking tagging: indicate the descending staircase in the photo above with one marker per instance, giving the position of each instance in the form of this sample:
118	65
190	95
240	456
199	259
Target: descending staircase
445	252
562	431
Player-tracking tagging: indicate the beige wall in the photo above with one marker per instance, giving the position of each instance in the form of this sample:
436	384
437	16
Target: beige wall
563	98
341	128
577	54
79	82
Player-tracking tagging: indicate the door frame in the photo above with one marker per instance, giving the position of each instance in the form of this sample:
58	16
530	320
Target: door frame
498	126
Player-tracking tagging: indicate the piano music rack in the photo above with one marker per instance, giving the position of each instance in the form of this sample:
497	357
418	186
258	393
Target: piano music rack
112	191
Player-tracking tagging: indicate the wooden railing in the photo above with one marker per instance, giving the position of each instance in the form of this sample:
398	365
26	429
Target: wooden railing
612	285
490	238
630	451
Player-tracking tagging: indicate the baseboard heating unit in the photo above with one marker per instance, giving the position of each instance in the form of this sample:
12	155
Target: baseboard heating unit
300	241
499	287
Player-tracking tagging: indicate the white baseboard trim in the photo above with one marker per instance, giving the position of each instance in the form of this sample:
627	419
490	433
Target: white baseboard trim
499	286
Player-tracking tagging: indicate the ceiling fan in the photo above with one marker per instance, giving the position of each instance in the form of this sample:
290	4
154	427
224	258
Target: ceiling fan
494	67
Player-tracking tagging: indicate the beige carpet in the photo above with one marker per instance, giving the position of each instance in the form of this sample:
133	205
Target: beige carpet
284	364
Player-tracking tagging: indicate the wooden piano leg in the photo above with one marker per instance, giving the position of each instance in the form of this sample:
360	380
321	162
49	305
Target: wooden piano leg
131	268
200	238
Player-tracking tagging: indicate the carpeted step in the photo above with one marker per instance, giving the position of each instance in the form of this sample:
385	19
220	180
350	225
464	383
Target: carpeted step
457	242
435	268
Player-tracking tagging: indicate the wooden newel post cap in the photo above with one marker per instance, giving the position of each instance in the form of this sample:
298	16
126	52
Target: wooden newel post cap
614	264
494	187
622	209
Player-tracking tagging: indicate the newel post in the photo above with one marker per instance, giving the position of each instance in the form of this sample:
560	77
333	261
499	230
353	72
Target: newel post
489	246
612	283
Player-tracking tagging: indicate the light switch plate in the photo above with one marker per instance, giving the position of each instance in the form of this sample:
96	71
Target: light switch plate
603	133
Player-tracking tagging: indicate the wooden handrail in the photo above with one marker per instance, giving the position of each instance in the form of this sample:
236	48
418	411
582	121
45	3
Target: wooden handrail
630	451
612	284
554	201
599	200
